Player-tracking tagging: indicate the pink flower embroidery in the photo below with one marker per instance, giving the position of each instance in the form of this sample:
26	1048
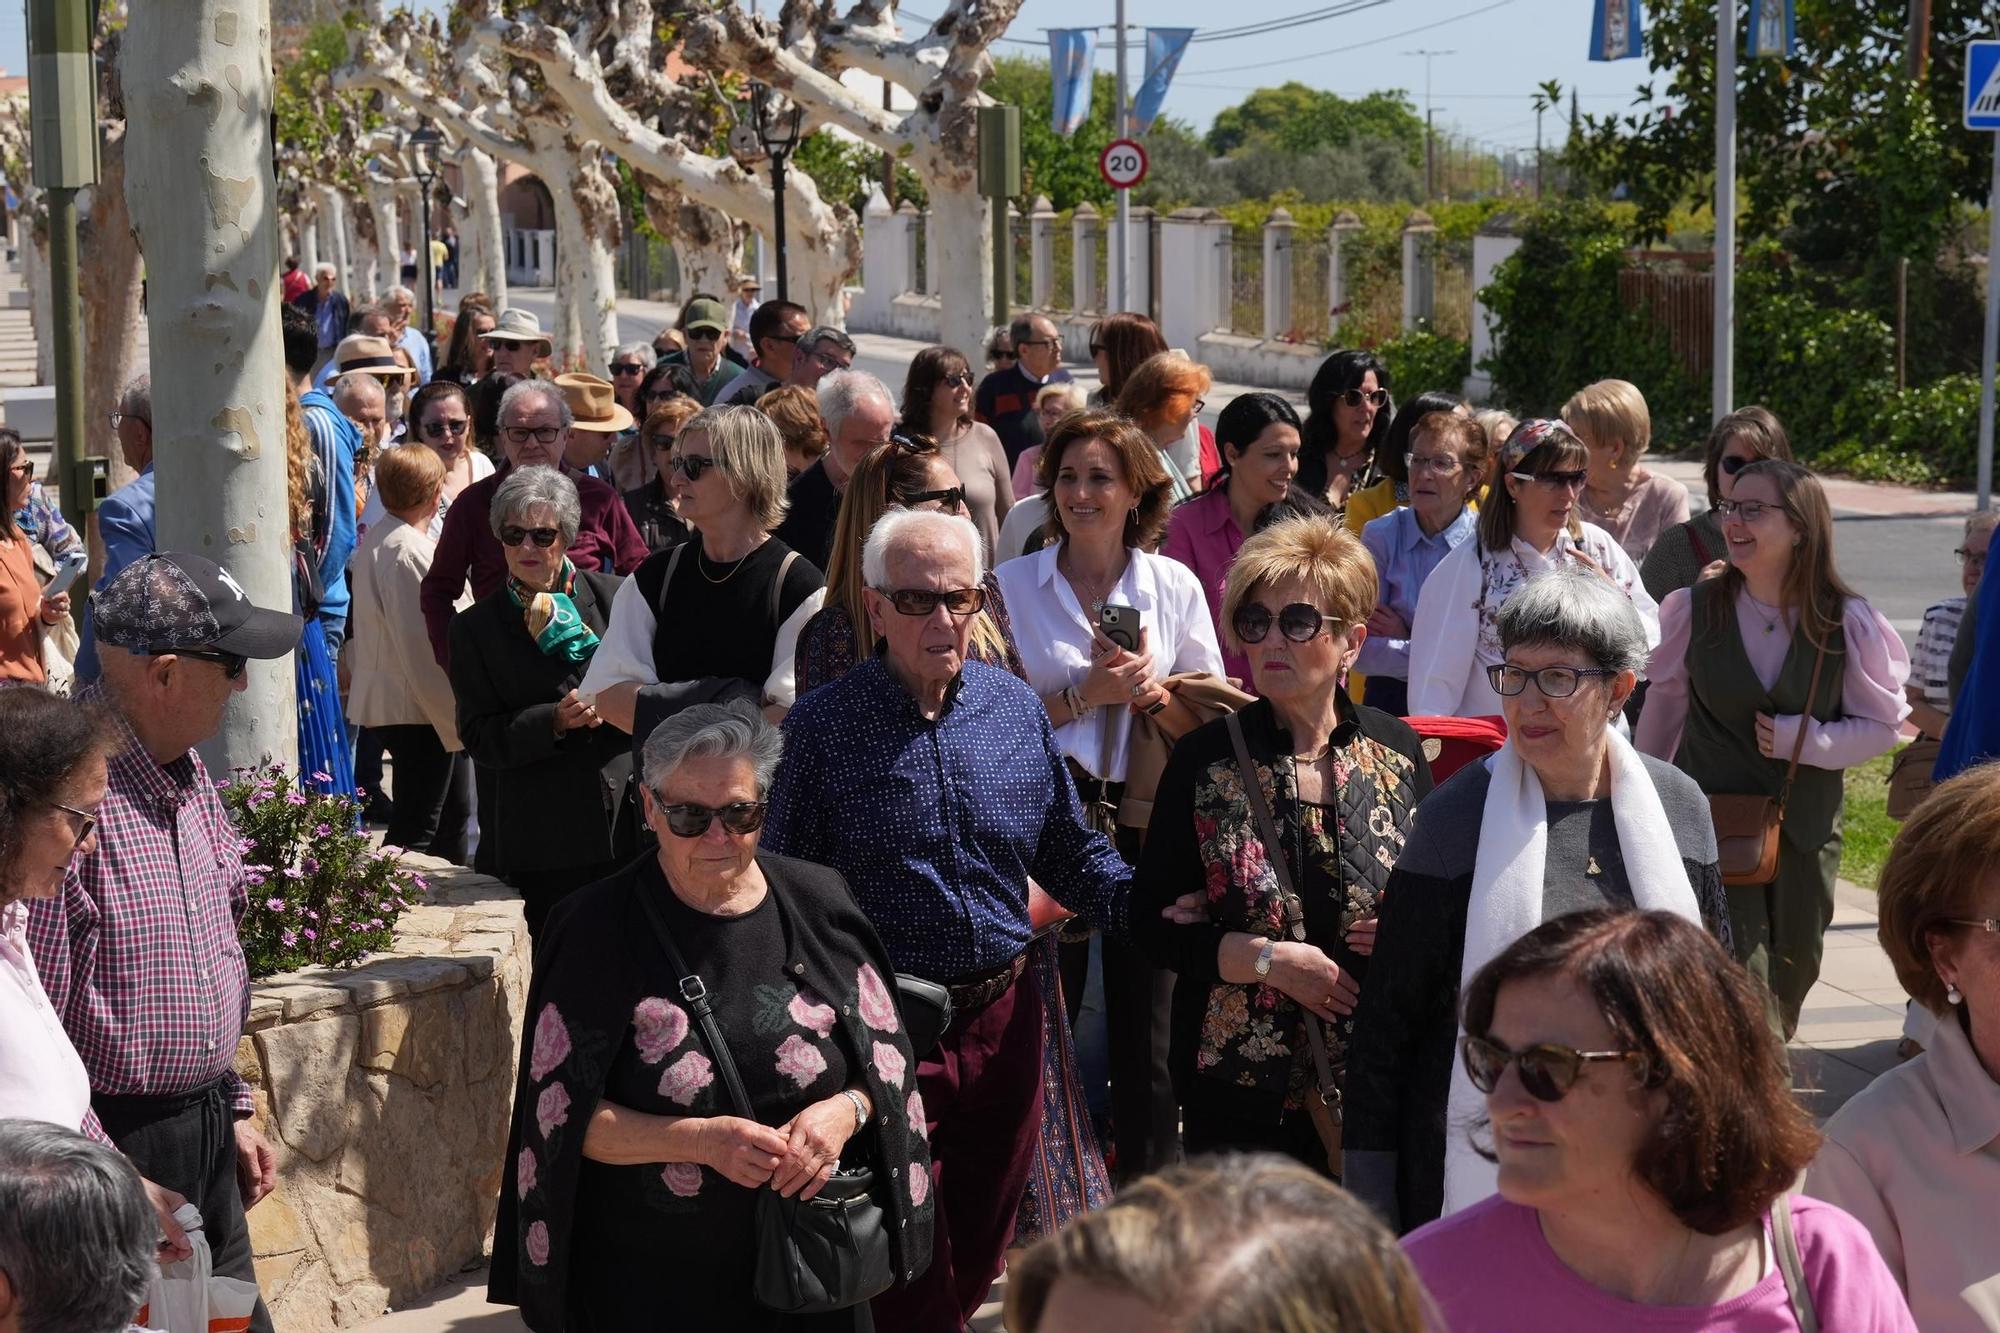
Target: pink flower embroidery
552	1108
920	1185
524	1172
889	1063
538	1243
914	1109
658	1027
817	1018
800	1061
683	1178
685	1077
551	1044
878	1008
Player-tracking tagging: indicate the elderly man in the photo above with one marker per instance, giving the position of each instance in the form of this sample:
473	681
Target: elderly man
706	327
935	785
125	517
517	341
400	304
535	419
362	399
328	309
76	1234
138	953
822	351
775	331
336	443
859	414
1006	398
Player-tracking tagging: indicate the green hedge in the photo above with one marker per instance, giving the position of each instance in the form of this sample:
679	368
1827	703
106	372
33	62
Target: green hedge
1422	361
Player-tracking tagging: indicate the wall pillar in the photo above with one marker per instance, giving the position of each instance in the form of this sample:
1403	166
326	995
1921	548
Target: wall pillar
1041	252
1085	227
1278	232
1419	271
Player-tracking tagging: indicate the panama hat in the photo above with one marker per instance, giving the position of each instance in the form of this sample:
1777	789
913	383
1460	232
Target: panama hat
594	404
519	326
370	355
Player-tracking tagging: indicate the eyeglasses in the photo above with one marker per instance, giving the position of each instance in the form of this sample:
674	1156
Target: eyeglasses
1967	556
963	379
1548	1071
1731	464
783	337
1200	405
86	823
1747	510
1553	481
544	537
437	430
691	466
1438	465
923	601
1989	924
1001	356
539	434
628	368
1556	682
703	335
24	468
233	664
1372	397
828	362
118	418
498	343
1300	622
691	821
951	500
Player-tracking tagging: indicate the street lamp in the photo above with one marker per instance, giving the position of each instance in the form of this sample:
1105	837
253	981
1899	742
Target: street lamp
778	133
424	144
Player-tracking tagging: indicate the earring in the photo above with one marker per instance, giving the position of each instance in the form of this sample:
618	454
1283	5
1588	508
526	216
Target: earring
1952	995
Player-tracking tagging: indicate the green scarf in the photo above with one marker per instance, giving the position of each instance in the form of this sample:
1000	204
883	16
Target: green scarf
565	635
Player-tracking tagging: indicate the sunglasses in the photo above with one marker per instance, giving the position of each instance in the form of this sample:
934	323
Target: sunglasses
1731	464
963	379
1097	349
691	466
23	469
628	368
508	344
539	434
1554	481
437	430
233	664
1548	1071
691	821
703	335
783	337
1372	397
544	537
1001	356
1556	682
951	500
923	601
1300	622
86	823
1747	510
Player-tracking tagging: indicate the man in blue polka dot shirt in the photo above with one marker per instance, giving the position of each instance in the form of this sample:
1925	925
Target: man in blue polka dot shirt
936	787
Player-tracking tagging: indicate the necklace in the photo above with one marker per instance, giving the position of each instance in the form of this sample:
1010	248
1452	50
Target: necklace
1317	755
701	566
1770	621
1088	592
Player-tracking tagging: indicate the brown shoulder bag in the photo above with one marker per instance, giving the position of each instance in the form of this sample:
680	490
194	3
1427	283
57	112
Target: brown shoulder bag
1747	827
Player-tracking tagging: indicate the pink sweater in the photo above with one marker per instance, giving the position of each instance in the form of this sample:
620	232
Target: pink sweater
1491	1271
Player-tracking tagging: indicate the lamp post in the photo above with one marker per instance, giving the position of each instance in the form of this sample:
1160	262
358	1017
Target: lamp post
424	143
778	134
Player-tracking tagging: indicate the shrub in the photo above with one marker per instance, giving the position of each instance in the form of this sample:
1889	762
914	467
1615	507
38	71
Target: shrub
1927	435
319	894
1421	361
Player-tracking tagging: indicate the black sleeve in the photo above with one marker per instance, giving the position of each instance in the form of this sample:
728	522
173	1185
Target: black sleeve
1713	899
1170	866
494	731
656	703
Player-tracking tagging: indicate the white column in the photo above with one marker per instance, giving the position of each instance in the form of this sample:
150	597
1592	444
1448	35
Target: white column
1221	268
1419	271
1345	225
1041	252
1187	304
1085	227
1278	232
1488	249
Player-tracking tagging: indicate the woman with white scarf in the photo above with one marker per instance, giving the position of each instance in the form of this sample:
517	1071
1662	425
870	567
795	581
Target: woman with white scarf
1567	816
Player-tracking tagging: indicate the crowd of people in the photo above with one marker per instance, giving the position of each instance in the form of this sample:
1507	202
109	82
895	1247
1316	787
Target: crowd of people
1438	805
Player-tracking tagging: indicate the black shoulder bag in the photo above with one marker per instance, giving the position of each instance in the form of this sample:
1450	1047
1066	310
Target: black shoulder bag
829	1252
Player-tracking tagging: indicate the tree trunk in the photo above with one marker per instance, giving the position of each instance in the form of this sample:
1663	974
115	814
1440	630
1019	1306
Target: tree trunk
110	292
587	228
34	251
388	238
706	241
199	98
339	239
964	280
482	250
309	244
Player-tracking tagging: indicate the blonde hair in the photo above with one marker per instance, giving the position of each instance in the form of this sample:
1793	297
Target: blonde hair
1072	394
405	477
750	454
1611	412
298	465
1498	423
1314	548
1942	857
1984	520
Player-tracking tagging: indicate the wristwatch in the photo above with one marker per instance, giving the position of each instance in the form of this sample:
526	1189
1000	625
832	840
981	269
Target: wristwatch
1262	967
860	1110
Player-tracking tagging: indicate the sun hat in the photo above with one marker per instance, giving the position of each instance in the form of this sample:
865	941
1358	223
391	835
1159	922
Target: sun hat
369	354
593	403
518	326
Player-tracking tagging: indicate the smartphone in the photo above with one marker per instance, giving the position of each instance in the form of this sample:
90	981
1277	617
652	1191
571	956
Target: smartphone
1119	624
67	570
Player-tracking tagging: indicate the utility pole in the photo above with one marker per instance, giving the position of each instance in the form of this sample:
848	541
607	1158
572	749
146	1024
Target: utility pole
1430	122
1121	128
1724	394
1917	60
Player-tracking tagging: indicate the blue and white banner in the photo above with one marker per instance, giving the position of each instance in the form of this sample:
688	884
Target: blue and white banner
1072	63
1774	30
1617	31
1164	48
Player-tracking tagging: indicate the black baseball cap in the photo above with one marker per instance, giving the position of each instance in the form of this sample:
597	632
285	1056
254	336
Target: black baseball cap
176	600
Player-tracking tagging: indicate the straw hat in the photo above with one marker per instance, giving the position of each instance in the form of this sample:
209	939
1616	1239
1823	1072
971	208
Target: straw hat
594	404
519	326
364	352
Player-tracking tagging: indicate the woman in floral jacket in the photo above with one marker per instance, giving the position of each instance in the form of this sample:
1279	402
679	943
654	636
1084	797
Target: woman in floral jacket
632	1175
1340	781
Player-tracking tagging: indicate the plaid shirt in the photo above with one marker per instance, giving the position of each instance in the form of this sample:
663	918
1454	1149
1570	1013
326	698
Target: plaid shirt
139	953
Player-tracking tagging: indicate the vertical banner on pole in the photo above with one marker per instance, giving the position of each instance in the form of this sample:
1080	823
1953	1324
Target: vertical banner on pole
1072	63
1164	48
1617	30
1774	29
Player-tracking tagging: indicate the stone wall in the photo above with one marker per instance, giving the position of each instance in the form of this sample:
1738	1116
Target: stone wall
385	1090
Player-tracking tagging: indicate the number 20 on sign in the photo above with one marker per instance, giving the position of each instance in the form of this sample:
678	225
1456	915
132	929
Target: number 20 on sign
1122	163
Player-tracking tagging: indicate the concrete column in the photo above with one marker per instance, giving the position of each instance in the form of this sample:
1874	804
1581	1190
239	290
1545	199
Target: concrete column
933	260
1419	271
1139	293
1493	243
885	262
905	276
1338	297
1222	268
1189	302
1085	225
1278	232
1041	252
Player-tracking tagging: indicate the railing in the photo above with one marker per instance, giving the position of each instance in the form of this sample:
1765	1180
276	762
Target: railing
1680	303
1311	319
1246	287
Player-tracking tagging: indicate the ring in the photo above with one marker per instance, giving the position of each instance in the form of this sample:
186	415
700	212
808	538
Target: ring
1327	1003
1138	690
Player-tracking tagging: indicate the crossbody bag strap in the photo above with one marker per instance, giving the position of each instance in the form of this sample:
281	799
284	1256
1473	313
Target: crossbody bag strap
1785	1240
1799	741
695	993
778	589
666	582
1295	915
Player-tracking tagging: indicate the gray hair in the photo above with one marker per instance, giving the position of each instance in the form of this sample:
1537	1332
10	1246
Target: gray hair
1575	608
901	527
137	400
528	487
77	1235
324	269
400	293
545	390
737	729
643	353
358	382
842	392
827	333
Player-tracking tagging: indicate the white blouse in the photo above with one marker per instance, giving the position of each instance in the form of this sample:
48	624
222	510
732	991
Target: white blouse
1053	633
41	1075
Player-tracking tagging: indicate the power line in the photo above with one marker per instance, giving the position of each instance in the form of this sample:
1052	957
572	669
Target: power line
1356	46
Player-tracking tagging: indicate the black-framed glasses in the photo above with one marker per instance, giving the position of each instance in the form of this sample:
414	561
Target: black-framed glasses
1555	682
539	434
85	825
543	537
1372	397
1553	481
691	466
827	362
1548	1071
1200	406
963	379
233	664
703	335
1438	465
691	821
923	601
784	337
1965	555
950	500
1299	622
1001	356
508	343
1097	349
1747	510
437	430
627	368
24	468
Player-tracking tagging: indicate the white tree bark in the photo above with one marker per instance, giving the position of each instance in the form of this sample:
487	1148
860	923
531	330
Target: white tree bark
309	244
482	250
109	287
382	203
198	95
587	232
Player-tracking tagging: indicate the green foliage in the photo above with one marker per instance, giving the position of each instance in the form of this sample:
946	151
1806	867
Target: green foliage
1922	436
845	170
1421	361
1178	173
1867	830
1823	367
320	896
1300	120
1064	169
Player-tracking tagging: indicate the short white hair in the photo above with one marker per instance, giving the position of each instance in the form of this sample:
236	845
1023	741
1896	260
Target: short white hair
325	270
358	384
400	293
898	528
643	353
842	392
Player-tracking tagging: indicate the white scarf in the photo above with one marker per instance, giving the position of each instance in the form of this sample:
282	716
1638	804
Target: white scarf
1506	903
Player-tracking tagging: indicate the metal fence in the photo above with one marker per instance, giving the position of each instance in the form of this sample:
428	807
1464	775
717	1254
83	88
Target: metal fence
1021	236
1310	321
1246	286
1681	303
920	242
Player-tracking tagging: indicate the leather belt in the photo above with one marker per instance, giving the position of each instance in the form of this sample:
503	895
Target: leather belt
972	993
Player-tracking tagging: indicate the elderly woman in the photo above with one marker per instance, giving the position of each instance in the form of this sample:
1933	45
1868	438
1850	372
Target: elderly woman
1680	554
1645	1134
23	610
1392	464
652	505
1929	686
399	691
1053	402
517	657
1771	679
440	419
1163	397
1263	1010
1566	816
662	652
1909	1155
634	1173
1347	414
1528	525
937	404
1628	501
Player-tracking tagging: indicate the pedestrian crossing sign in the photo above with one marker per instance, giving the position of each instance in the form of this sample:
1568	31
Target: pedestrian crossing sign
1982	86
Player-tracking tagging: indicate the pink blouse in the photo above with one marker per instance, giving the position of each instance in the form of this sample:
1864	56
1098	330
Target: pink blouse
1871	695
1203	536
1655	503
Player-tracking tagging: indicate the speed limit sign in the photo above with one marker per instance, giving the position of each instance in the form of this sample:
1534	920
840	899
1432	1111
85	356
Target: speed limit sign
1122	163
